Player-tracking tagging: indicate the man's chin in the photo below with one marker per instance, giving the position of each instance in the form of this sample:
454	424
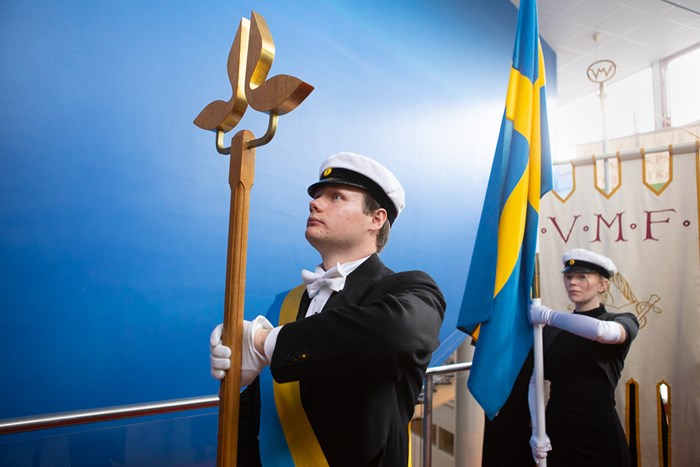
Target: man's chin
312	236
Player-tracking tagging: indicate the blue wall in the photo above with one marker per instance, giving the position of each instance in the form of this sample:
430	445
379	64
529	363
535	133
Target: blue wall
114	206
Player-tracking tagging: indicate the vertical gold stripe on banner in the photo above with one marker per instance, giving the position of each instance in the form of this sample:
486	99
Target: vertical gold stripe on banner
298	432
410	445
663	422
632	421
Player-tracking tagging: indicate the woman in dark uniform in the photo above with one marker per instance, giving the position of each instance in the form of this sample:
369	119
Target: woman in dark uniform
584	356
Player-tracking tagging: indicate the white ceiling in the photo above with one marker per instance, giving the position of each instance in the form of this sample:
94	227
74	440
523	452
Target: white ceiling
632	33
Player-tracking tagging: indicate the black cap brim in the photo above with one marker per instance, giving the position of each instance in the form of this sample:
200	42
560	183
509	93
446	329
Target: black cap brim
585	266
338	176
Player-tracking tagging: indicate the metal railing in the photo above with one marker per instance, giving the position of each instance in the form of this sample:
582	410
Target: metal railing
64	419
428	405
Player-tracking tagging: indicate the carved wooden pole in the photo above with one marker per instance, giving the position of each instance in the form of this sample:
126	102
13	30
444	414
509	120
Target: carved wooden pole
241	175
249	62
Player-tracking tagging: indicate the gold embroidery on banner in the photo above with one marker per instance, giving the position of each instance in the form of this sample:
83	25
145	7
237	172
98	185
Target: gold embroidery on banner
641	307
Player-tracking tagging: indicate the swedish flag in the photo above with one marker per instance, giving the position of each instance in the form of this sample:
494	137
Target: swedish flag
502	266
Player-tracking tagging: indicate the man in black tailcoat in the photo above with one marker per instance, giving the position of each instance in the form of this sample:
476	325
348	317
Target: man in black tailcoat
358	340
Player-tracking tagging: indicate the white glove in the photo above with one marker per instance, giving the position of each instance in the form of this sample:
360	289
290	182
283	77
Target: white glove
606	332
219	354
539	314
252	362
540	449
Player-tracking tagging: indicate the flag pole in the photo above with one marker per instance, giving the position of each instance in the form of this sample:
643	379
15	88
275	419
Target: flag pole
538	360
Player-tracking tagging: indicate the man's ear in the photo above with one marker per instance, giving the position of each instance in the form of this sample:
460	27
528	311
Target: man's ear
379	217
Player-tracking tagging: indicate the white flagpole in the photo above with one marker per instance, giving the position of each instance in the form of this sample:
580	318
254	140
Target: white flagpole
539	383
538	360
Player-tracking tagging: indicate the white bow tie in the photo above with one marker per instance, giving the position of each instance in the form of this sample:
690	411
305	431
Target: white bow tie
334	279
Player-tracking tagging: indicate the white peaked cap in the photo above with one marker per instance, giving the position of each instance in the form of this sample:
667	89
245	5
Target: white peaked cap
347	168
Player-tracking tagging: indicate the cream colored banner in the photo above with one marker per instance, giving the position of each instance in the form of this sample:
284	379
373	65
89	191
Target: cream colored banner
647	222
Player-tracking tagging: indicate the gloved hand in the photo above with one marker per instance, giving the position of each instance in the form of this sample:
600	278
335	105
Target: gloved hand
219	354
252	362
540	449
539	314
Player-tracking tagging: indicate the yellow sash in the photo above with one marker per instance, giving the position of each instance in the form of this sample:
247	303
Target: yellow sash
300	437
301	440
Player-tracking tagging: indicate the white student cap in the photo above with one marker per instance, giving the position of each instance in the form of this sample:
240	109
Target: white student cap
347	168
580	260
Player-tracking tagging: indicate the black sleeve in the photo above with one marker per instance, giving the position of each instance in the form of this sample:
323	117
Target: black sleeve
402	317
629	322
611	358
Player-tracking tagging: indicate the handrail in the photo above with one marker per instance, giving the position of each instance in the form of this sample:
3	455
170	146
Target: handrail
63	419
452	368
428	405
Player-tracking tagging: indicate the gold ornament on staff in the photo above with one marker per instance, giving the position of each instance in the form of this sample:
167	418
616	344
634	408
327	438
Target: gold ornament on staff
249	62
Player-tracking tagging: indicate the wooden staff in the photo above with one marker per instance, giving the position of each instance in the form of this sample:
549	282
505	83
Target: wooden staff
249	62
241	175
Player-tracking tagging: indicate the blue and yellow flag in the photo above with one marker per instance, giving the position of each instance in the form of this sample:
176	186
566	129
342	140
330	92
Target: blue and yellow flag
498	286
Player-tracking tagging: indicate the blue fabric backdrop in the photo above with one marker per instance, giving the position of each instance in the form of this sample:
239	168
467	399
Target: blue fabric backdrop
114	206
